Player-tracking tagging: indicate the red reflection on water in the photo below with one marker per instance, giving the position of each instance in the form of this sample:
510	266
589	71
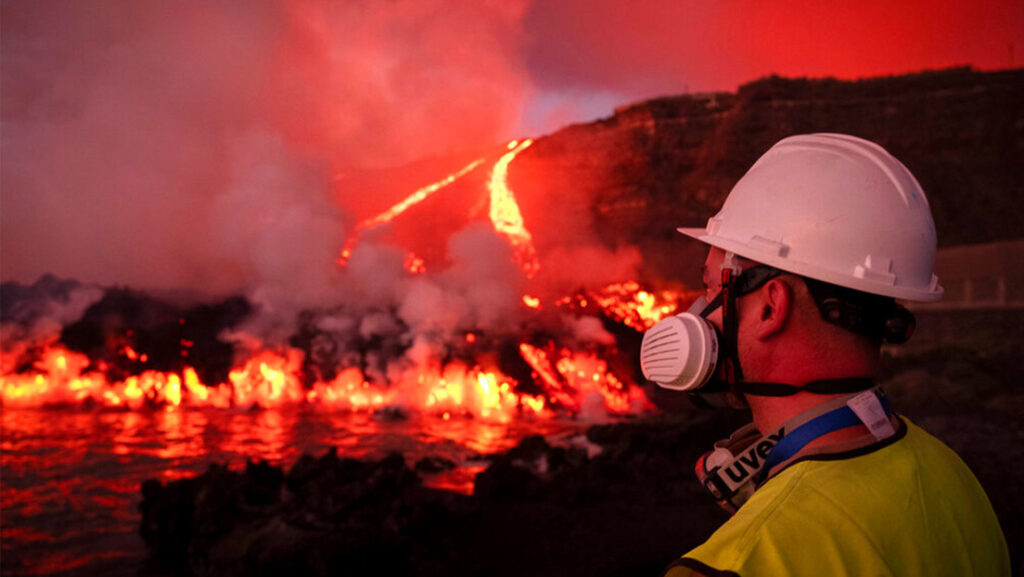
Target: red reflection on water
71	477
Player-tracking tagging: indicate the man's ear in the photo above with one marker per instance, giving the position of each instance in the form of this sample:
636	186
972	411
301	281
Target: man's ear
775	308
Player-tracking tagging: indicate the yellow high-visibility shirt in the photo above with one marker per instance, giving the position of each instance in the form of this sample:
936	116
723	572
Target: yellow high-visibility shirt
909	507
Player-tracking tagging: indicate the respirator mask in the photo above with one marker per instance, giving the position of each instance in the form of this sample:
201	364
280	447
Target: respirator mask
686	352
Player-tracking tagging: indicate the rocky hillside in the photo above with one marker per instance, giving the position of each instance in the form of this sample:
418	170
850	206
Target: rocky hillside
635	176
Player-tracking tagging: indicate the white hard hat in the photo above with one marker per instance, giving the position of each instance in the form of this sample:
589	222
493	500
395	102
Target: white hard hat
835	208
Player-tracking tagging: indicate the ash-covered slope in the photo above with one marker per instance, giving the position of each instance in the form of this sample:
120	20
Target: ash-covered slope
635	176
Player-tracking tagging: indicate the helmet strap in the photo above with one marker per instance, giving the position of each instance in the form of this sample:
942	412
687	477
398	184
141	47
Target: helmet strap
880	318
730	324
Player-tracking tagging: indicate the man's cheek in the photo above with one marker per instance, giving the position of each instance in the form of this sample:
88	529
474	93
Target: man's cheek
716	319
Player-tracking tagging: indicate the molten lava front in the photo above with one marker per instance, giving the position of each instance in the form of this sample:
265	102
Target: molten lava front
569	382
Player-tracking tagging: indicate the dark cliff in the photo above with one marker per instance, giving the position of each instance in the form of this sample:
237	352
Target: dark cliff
652	166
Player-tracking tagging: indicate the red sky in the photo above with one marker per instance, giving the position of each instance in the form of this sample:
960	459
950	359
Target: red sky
585	54
153	143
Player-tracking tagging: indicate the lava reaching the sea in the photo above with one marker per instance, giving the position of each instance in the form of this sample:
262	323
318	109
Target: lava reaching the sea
535	374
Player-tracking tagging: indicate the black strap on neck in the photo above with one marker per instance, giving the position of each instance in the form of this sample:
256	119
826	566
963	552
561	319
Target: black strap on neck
820	387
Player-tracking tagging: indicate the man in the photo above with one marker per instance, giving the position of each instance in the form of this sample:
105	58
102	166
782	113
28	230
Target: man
807	258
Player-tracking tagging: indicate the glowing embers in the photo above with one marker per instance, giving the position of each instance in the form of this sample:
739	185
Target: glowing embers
350	391
452	391
581	381
57	379
415	264
505	214
630	305
268	379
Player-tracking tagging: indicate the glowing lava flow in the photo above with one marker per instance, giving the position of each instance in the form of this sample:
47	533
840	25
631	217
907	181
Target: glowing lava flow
271	379
632	306
410	201
581	381
418	197
572	381
567	380
505	214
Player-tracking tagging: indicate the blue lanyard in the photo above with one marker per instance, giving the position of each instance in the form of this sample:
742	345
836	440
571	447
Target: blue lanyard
793	442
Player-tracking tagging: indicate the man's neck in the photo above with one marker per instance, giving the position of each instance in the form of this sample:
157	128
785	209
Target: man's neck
798	365
771	412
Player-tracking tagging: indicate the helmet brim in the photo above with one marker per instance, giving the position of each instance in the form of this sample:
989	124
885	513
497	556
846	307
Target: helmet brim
696	233
725	244
809	270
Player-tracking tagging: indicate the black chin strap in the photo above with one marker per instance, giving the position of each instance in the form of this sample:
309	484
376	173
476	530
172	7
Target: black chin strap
821	387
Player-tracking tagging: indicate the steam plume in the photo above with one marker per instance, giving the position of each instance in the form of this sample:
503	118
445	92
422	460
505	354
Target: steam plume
172	145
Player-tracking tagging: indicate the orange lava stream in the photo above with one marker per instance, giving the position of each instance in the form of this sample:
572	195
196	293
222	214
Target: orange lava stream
417	197
505	214
410	201
629	304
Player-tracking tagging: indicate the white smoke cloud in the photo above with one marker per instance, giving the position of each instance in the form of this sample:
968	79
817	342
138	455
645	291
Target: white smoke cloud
273	223
566	269
428	309
484	274
376	274
139	133
589	330
199	146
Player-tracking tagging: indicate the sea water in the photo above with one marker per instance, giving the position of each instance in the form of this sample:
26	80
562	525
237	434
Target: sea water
70	477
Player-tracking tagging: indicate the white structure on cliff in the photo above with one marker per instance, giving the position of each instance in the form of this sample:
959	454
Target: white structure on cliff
980	276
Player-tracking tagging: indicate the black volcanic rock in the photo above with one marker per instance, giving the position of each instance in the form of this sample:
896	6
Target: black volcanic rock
634	177
170	336
325	516
332	514
431	465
